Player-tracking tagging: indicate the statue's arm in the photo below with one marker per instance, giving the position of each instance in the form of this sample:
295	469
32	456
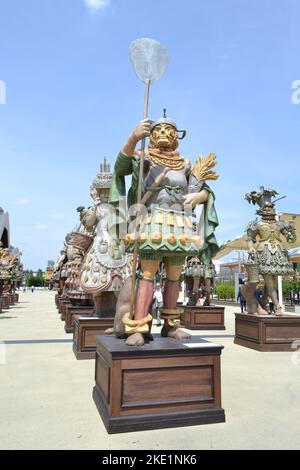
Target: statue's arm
197	194
88	218
140	132
289	231
252	232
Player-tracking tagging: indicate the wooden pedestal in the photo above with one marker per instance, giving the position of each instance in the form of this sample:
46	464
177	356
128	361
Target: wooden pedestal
85	332
267	333
0	304
63	306
56	300
71	311
17	298
11	299
162	385
203	318
5	302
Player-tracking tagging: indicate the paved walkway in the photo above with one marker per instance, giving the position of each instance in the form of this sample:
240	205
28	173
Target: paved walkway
46	394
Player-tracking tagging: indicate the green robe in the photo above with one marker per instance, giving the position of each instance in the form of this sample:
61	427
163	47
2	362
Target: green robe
126	166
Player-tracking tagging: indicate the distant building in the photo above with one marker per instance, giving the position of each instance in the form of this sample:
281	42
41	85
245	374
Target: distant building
4	228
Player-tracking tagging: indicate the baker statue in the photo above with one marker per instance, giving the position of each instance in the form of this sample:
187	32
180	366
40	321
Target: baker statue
172	189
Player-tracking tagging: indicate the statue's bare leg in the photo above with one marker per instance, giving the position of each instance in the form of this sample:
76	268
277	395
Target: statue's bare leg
272	292
171	293
208	290
143	302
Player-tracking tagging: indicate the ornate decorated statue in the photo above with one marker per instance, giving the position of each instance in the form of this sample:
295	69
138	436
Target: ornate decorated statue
57	276
267	255
11	270
78	244
172	188
198	277
105	265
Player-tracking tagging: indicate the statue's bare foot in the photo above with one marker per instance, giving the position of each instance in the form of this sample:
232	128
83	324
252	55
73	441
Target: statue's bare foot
109	331
176	333
261	311
137	339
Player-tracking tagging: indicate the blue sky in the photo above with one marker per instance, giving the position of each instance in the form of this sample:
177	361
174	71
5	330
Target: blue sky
72	98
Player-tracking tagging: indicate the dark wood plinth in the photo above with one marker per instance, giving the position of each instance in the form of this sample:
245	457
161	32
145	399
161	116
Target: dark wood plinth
71	311
5	302
17	298
162	385
267	333
11	299
203	318
62	310
85	332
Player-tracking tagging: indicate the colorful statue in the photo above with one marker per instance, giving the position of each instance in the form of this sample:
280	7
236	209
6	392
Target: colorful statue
11	270
267	255
78	244
172	189
199	279
57	276
105	265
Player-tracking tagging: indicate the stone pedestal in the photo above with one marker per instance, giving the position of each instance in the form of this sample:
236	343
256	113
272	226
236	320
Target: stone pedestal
267	333
71	311
85	332
165	384
203	318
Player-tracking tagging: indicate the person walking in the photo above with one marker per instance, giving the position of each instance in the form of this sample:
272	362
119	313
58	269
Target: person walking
157	302
241	299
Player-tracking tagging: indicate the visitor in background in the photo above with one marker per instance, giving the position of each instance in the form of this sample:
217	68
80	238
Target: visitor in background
271	307
32	289
157	302
241	299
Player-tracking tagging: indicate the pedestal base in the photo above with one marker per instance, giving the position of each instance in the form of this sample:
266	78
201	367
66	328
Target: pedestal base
5	302
71	311
62	309
85	332
165	384
203	318
267	333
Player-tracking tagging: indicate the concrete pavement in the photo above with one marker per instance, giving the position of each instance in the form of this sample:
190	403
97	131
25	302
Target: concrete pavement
46	394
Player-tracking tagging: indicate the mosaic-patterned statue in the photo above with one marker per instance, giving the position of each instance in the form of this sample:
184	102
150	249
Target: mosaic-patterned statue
172	188
199	279
267	255
105	265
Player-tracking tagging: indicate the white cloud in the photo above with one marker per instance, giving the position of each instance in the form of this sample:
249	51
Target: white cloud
96	5
59	216
40	226
23	202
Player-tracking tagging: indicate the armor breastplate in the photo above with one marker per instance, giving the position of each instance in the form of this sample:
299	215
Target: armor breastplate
269	233
170	190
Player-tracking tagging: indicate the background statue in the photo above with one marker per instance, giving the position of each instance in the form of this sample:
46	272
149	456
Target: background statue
267	255
199	280
105	265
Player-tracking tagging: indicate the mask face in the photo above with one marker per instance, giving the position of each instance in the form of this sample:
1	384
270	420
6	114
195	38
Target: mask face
164	137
